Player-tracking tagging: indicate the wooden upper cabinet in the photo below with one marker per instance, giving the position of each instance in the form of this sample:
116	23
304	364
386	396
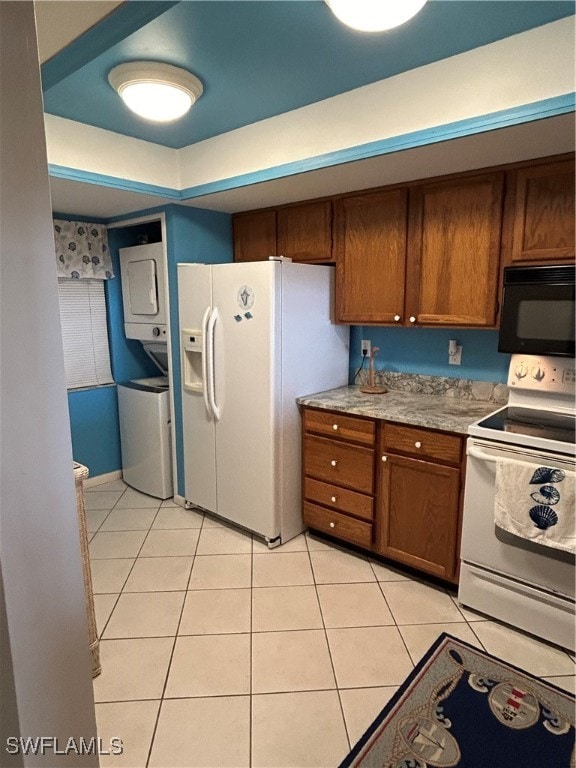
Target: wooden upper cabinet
370	253
305	231
254	235
454	251
543	216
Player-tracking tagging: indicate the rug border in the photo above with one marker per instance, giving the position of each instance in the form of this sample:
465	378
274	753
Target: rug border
418	669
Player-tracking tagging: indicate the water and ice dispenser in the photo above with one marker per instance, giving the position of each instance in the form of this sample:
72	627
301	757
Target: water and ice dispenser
192	359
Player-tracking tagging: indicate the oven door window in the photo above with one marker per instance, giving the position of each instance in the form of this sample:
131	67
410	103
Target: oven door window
538	320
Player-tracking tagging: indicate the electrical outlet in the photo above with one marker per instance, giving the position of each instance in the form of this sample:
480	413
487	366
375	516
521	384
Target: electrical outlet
366	347
455	356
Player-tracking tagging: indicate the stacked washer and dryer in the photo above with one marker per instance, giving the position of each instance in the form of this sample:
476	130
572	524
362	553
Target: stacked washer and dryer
144	404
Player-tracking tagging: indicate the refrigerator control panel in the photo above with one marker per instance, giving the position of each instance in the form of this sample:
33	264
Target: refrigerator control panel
192	373
192	341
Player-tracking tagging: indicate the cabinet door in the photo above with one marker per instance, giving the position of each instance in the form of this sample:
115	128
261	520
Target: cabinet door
454	251
418	514
305	231
254	236
544	213
370	253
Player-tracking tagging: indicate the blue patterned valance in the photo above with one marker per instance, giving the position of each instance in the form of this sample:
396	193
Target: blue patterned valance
82	250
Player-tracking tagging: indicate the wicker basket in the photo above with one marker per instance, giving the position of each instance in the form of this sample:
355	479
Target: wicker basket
80	474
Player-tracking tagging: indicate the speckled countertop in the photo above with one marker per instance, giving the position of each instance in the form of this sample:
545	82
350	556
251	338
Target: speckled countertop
451	414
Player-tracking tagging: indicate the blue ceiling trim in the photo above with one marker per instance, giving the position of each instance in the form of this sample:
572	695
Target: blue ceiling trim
538	110
113	182
126	19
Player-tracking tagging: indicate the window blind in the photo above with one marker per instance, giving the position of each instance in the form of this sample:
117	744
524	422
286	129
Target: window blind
84	333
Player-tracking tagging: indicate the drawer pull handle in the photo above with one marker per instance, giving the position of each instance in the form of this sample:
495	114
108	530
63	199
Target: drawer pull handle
333	499
417	444
332	525
334	426
397	318
384	458
333	462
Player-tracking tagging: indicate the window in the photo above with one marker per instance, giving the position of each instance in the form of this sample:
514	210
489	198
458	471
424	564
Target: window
84	332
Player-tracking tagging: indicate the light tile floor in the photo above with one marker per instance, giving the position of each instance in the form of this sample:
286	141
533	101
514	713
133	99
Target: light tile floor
219	652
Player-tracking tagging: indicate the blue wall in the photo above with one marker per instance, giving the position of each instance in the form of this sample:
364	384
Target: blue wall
94	427
129	361
425	350
94	411
193	235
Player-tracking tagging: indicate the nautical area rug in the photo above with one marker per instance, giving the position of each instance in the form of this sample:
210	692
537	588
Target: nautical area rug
463	707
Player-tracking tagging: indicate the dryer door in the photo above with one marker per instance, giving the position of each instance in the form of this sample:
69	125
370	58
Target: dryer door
143	291
142	287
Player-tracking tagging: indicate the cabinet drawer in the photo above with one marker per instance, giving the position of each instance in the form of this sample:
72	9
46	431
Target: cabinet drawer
338	525
339	463
338	498
336	425
421	443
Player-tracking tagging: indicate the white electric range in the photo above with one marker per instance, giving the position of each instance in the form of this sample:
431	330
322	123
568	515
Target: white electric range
510	578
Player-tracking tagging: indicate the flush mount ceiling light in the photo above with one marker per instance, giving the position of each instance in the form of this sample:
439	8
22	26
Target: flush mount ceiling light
374	15
155	91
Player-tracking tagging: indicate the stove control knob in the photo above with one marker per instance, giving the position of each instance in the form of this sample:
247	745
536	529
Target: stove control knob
521	371
538	373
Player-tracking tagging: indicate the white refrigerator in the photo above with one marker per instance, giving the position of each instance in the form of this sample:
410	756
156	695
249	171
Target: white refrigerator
253	337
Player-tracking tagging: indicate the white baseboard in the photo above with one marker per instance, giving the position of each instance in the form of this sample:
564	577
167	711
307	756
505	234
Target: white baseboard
101	479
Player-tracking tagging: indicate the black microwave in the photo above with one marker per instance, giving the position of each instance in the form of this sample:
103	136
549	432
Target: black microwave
538	311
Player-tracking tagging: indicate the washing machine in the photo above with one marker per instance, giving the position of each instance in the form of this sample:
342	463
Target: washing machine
145	435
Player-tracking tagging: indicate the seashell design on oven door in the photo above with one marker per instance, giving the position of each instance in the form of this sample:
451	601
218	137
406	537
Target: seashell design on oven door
543	517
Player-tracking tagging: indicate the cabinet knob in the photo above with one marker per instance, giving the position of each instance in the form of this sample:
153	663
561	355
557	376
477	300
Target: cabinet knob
412	319
333	499
333	462
384	458
417	444
332	525
397	318
334	426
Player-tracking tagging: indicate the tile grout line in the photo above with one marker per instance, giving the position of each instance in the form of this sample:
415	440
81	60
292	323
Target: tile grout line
393	617
100	634
155	728
128	574
346	731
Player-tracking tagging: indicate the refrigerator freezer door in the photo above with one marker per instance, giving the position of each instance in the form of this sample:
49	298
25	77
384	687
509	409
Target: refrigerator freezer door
195	297
247	346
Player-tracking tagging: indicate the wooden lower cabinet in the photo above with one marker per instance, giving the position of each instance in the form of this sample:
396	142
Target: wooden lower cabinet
338	475
403	501
418	514
342	526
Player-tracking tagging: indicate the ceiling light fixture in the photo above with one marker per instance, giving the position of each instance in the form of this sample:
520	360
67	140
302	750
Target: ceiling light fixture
374	15
155	91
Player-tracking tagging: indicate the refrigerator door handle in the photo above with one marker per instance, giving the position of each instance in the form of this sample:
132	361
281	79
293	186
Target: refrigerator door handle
211	373
205	383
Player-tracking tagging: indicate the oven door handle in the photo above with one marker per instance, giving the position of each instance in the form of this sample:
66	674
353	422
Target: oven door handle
476	454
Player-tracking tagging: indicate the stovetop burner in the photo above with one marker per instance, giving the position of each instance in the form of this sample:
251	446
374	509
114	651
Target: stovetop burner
532	422
540	414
